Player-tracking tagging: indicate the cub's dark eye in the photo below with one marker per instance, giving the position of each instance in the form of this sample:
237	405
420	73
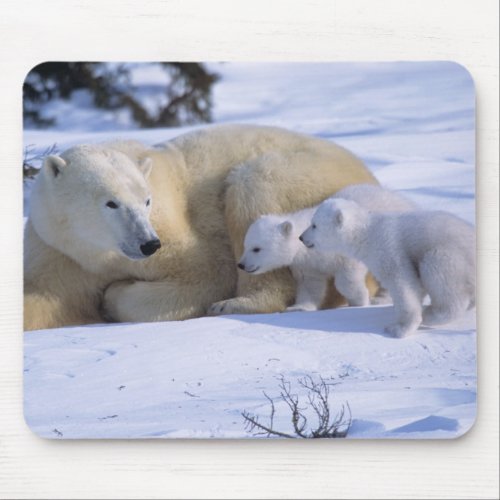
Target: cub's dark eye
111	204
148	202
256	250
314	226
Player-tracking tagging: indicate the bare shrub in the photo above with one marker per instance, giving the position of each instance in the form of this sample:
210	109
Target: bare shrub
328	425
32	160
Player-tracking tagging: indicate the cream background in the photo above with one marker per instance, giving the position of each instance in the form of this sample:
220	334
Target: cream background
32	31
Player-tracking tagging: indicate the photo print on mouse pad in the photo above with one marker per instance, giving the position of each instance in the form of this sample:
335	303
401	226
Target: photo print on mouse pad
249	250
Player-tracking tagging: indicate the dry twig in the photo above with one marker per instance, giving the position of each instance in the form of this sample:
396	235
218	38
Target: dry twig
317	397
31	157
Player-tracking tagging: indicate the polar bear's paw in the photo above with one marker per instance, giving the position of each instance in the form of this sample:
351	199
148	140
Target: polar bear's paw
380	301
398	330
301	307
382	297
112	298
237	305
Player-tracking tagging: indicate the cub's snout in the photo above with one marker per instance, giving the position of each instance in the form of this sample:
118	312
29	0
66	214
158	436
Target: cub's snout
307	242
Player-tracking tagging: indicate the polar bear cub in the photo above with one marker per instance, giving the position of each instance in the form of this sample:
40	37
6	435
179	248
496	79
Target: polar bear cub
411	254
272	241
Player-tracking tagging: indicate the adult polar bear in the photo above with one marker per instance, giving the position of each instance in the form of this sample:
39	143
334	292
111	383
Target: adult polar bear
91	241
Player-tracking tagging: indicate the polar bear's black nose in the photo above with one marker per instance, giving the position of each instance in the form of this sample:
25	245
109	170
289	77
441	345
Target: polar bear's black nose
241	266
150	247
301	239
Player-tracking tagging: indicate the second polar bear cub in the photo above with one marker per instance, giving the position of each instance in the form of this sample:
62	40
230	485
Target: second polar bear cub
411	254
272	241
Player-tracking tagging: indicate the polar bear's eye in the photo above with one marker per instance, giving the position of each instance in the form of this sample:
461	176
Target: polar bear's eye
314	226
111	204
256	250
148	202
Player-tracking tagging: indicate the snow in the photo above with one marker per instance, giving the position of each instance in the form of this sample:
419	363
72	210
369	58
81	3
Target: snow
413	124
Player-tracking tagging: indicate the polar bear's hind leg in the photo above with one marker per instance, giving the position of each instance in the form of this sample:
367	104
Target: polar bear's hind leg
444	278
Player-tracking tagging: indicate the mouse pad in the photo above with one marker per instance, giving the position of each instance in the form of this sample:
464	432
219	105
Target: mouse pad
249	250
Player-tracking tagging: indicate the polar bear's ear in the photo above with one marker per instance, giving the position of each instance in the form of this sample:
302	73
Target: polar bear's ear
146	166
338	218
54	165
285	228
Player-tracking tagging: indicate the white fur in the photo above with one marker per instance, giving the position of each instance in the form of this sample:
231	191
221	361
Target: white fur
207	186
75	190
272	242
411	254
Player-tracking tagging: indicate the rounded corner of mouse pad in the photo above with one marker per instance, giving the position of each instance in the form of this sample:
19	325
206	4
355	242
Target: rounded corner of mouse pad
249	250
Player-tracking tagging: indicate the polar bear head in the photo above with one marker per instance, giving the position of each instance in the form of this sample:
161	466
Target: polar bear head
336	226
270	243
93	201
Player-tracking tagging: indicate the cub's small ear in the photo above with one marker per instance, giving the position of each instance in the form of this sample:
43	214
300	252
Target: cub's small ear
285	228
338	218
146	166
54	165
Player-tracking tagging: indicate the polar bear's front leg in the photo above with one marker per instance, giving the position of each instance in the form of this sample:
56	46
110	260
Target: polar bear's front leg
407	297
145	301
350	281
311	291
266	293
